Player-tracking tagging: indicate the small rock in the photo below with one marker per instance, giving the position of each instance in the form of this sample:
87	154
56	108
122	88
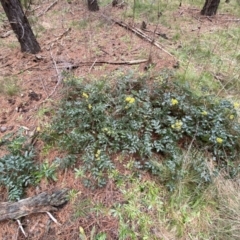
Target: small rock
3	129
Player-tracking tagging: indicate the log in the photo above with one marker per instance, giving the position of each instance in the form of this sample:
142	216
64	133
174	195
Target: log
44	202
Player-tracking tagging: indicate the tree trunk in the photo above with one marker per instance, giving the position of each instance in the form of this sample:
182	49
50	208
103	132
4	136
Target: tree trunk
20	26
210	7
93	5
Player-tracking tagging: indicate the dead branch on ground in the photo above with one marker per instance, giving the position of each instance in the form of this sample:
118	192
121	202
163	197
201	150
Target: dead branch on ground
48	8
140	34
43	202
70	66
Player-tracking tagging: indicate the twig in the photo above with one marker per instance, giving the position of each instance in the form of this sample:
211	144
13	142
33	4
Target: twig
53	218
234	20
44	87
6	34
60	37
21	228
163	35
48	8
58	75
24	70
92	66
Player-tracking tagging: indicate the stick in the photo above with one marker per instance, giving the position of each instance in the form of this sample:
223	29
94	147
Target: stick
21	228
235	20
6	34
24	70
58	75
48	8
59	37
44	87
53	218
92	66
78	64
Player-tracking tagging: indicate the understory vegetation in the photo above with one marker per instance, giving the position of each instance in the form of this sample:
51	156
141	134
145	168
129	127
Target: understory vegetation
146	124
152	120
166	142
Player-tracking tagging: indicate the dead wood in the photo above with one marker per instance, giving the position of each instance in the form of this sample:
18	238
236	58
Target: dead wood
144	36
44	202
70	66
48	8
140	34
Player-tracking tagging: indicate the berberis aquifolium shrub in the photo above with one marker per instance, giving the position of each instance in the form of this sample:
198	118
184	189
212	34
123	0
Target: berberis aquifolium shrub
142	117
17	168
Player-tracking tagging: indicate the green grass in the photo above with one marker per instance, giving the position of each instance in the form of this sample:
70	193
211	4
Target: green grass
9	86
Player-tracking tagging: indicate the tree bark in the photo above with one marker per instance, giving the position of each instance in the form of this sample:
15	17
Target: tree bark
43	202
93	5
210	7
20	26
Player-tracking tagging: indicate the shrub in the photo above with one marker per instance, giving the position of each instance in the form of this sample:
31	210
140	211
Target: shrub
17	167
142	117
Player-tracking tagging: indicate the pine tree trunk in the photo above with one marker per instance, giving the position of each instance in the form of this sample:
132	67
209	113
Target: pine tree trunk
93	5
210	7
20	26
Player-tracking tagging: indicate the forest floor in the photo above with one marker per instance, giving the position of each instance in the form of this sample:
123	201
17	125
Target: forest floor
87	45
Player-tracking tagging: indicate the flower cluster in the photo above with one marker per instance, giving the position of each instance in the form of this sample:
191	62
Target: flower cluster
85	95
236	105
174	101
97	155
219	140
204	113
177	125
130	99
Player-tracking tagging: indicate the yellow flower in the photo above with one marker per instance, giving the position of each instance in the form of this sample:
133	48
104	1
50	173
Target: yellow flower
219	140
38	129
89	106
174	101
130	99
236	105
204	113
81	230
85	95
231	117
177	125
98	154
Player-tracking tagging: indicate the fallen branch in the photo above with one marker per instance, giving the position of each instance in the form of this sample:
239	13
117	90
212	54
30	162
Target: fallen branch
70	66
59	37
162	35
43	202
140	34
48	8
